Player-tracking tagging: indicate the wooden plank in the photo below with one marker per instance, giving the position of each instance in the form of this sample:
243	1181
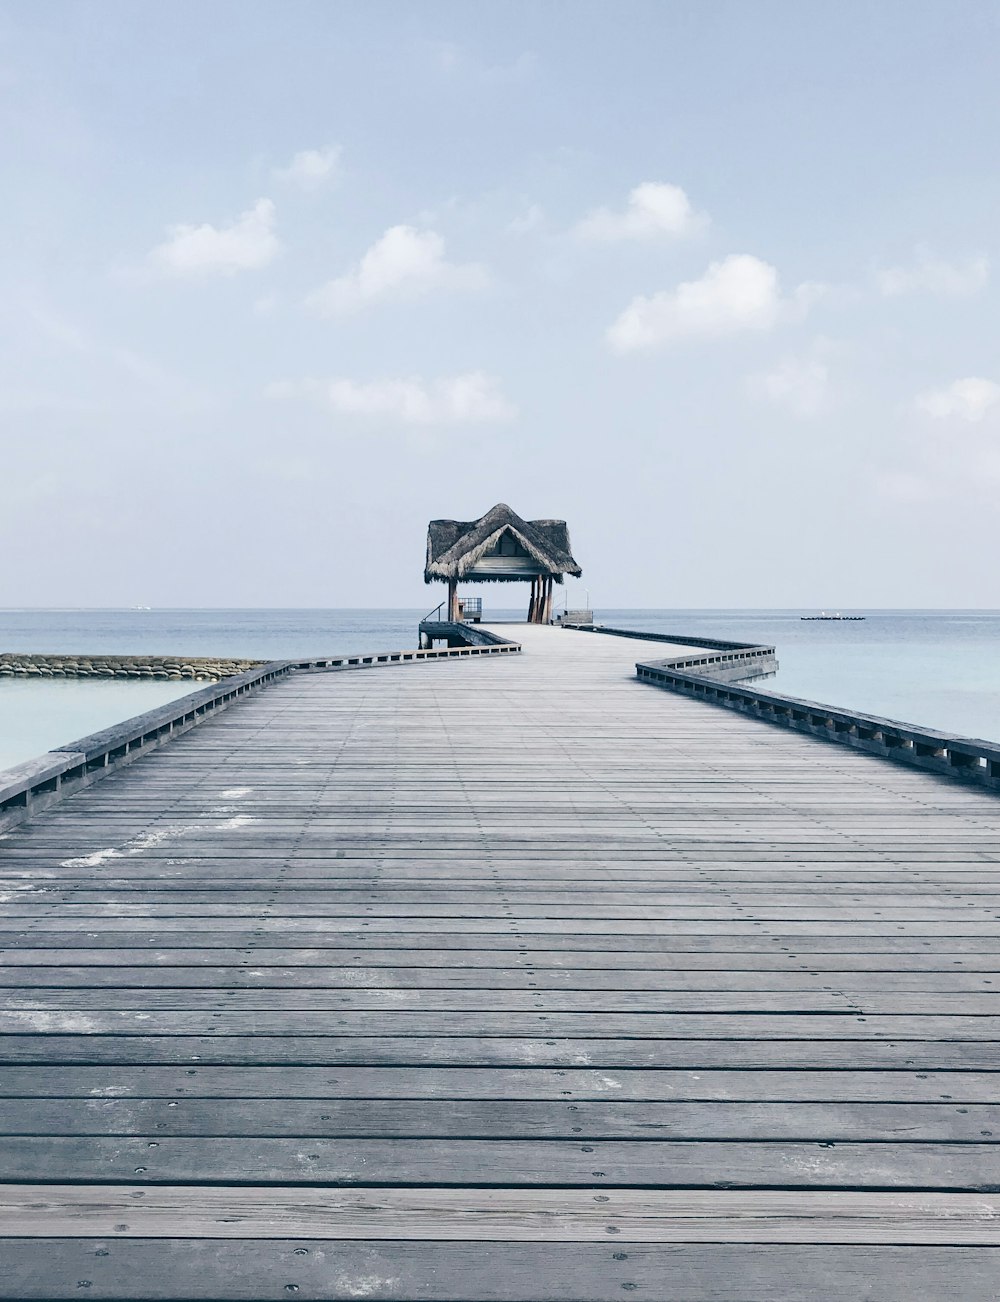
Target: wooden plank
788	1000
260	1270
599	985
504	1051
468	1082
647	1026
499	1215
313	1160
480	999
334	898
347	917
555	951
838	1122
509	927
554	964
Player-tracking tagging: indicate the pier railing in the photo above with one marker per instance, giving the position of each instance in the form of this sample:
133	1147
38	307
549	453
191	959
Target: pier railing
716	678
712	643
28	788
729	661
965	758
493	646
459	634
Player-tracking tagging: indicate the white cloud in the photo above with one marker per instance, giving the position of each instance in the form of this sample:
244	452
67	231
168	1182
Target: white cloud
654	209
246	244
403	262
956	460
472	398
739	293
970	399
311	168
800	384
935	276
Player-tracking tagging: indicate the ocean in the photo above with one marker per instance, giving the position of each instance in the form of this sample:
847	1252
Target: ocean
937	669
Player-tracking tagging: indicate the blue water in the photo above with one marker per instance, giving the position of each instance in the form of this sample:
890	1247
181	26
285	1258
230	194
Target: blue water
41	714
38	715
939	669
251	634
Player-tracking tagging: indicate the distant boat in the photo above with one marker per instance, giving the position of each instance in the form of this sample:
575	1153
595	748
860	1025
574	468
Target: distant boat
142	607
837	617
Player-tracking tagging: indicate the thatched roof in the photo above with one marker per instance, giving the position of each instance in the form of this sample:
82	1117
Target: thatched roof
466	549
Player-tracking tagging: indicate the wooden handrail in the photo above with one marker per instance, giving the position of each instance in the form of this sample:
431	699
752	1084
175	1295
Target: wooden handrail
967	758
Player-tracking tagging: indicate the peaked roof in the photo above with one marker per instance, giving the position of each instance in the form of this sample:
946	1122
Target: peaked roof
454	546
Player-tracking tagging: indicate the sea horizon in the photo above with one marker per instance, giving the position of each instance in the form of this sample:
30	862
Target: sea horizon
782	610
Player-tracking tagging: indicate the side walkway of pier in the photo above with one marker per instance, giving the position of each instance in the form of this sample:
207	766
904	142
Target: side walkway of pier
507	979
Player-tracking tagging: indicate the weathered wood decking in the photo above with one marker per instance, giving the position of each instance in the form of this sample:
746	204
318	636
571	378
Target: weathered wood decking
505	979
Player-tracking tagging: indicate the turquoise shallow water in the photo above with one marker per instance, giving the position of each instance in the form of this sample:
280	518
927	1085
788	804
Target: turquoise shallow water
37	716
939	669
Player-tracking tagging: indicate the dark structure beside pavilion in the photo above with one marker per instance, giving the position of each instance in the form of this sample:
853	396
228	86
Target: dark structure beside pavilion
500	547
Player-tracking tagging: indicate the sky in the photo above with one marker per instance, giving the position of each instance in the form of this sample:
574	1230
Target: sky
717	282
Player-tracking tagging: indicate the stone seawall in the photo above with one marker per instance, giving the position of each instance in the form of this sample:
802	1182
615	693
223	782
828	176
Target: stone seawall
203	669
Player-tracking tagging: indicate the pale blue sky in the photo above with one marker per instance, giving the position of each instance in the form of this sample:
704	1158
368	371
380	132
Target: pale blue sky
716	282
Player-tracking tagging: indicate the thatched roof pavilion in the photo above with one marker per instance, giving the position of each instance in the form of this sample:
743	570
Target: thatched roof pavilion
500	547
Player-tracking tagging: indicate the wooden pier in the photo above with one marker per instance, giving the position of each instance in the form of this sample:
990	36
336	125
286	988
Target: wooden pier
506	978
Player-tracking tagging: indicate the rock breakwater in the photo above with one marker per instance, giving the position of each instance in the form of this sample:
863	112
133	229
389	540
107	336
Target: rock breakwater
202	669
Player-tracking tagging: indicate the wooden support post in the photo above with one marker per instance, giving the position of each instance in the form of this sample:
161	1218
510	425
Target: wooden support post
453	600
548	599
532	601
